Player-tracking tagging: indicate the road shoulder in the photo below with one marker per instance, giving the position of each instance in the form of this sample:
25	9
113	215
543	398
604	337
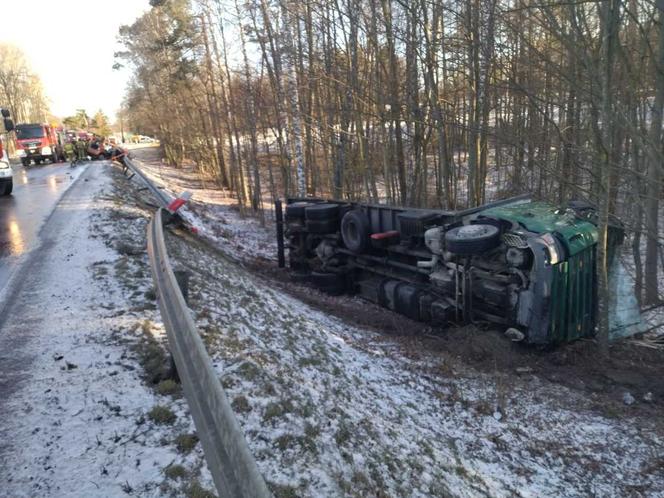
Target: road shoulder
80	416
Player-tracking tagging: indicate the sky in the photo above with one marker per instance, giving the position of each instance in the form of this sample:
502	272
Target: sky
70	45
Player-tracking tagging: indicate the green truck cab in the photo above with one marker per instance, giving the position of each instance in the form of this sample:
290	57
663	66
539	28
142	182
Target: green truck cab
559	303
526	267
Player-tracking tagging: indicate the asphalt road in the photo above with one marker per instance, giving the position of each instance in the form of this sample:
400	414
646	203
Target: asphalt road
37	190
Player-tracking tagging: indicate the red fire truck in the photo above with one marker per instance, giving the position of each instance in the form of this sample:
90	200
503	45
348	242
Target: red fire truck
36	142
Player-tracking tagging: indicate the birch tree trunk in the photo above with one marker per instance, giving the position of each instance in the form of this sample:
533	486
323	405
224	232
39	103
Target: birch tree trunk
292	95
654	172
609	12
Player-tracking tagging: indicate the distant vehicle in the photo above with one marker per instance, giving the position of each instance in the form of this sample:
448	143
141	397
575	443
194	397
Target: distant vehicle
36	142
6	180
528	267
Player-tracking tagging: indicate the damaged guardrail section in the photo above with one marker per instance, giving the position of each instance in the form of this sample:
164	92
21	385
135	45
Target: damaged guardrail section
163	198
231	464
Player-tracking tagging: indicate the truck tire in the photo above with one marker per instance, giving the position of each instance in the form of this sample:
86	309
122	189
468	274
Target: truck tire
299	277
355	231
322	212
330	283
25	162
296	209
322	226
472	239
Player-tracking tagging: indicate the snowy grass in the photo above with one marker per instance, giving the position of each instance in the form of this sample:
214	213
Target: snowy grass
213	212
330	410
78	423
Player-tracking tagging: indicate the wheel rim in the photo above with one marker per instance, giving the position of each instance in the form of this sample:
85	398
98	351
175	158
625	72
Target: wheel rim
473	231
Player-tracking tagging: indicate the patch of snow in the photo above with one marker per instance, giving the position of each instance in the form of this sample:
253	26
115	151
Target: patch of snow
74	422
328	408
214	214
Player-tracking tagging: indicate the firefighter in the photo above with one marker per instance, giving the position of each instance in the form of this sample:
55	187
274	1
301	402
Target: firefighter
70	151
81	149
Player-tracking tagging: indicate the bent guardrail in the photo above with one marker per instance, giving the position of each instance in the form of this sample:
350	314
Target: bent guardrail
163	198
230	462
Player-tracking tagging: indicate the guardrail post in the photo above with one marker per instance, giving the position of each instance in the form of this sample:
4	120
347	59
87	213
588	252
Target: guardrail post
279	216
182	277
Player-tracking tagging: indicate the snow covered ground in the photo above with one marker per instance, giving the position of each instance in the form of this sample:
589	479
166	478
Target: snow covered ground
329	409
333	410
77	415
212	211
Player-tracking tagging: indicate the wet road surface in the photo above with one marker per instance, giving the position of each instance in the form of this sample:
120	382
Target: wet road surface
37	190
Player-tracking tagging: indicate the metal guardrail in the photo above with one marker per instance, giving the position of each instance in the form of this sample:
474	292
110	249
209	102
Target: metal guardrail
229	460
231	464
163	198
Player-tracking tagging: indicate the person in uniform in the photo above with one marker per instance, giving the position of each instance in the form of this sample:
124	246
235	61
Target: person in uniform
70	151
81	149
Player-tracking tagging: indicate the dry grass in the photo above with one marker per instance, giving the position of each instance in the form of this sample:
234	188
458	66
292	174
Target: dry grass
162	415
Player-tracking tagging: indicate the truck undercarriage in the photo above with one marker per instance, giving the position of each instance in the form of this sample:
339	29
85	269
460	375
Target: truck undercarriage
525	266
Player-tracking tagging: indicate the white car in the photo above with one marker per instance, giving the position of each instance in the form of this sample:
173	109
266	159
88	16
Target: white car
6	178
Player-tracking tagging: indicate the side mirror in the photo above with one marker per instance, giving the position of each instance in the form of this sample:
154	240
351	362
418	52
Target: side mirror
9	124
5	113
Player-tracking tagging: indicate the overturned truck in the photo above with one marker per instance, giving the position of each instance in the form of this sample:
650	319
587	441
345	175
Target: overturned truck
527	267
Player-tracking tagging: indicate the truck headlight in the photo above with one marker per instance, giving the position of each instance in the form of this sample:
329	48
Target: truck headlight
46	151
21	152
554	255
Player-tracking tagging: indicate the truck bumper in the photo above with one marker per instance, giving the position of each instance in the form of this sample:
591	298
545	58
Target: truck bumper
35	154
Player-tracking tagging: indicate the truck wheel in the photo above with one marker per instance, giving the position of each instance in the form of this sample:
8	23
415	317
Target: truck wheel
322	212
296	209
299	277
322	226
355	230
25	162
472	239
330	283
